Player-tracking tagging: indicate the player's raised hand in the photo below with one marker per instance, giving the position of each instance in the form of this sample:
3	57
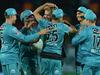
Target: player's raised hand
50	4
28	24
25	25
31	23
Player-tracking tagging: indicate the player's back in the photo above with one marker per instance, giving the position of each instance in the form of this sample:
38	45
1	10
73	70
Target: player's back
26	48
55	38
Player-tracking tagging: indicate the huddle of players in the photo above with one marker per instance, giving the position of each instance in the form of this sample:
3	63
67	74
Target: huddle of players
18	49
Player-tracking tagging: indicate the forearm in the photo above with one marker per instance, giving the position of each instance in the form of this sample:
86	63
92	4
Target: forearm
39	9
37	12
73	30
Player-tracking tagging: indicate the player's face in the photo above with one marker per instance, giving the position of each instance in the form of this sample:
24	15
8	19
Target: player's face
47	13
31	22
78	15
47	16
14	18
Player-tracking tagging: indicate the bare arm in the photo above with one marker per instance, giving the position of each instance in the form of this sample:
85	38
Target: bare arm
39	9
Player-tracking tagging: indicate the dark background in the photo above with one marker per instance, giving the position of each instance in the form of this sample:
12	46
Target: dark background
69	6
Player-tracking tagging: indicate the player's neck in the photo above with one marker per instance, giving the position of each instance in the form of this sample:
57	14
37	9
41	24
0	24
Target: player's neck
8	21
93	24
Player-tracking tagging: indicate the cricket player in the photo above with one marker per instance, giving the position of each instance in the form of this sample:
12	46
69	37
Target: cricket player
29	53
9	36
80	17
89	44
51	53
46	16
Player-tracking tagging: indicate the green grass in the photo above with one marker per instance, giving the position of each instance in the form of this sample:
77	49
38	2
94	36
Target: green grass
69	73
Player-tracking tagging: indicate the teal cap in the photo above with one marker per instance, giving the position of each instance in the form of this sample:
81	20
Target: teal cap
90	15
25	14
82	9
10	12
58	13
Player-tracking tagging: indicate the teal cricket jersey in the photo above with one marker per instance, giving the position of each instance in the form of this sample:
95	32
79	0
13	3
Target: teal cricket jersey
27	50
77	48
55	38
89	45
10	50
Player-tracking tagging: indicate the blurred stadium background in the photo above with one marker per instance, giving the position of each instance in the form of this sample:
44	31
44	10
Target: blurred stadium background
69	7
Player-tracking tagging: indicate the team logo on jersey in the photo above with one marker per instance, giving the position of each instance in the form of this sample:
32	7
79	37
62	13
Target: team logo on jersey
25	72
12	71
56	72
